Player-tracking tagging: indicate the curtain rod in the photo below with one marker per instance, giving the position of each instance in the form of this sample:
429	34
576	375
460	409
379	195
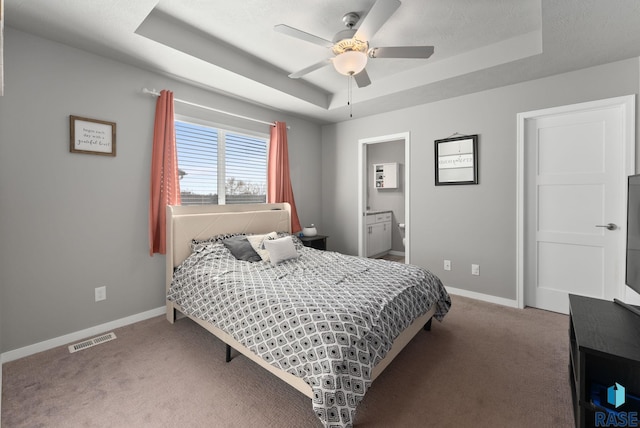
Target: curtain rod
157	94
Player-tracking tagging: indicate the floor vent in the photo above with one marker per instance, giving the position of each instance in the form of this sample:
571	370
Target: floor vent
91	342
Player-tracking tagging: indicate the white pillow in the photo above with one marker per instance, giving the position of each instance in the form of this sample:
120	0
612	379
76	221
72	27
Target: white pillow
281	249
257	242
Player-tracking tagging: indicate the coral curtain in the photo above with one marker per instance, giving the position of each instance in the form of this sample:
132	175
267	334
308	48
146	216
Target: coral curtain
165	184
278	180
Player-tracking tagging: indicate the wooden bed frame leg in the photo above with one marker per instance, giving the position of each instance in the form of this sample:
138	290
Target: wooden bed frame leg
228	357
427	326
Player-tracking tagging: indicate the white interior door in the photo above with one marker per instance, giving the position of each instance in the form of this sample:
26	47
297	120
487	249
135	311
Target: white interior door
576	163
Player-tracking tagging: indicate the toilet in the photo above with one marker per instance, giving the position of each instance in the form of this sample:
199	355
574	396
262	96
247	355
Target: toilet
401	227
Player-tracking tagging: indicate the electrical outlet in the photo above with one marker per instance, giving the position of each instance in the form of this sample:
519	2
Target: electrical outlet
475	269
447	265
101	293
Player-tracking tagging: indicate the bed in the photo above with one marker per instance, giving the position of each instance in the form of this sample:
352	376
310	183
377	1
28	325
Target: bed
326	323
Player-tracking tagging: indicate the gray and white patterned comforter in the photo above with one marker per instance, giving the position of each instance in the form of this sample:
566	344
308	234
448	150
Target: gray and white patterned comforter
326	317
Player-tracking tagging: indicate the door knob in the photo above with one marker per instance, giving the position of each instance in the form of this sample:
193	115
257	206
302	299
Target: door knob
609	226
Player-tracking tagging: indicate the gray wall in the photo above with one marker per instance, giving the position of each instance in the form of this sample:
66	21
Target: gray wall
73	222
466	224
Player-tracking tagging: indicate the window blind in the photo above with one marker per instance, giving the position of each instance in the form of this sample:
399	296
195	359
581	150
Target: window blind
214	162
245	169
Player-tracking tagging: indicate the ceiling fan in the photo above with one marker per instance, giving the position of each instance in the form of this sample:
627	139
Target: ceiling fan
350	47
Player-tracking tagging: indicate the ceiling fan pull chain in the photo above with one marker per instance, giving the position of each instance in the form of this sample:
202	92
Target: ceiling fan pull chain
349	96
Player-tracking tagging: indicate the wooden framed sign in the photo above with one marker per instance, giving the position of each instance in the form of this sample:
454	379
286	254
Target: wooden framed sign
91	136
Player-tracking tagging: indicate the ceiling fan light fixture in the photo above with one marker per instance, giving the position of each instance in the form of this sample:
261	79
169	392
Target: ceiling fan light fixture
350	63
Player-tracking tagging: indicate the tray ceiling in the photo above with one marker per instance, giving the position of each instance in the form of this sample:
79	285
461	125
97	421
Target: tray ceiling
231	47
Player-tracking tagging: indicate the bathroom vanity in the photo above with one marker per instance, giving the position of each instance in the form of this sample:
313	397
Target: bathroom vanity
378	233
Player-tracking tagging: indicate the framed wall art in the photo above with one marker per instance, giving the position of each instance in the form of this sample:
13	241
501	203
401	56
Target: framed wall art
457	160
91	136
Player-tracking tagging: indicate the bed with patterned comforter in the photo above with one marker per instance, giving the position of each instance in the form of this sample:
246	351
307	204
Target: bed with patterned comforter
325	317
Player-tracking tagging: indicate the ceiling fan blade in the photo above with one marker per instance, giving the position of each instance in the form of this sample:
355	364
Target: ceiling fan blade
314	67
401	52
299	34
375	19
362	79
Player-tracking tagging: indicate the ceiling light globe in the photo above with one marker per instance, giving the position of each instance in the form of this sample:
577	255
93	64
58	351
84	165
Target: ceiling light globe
350	62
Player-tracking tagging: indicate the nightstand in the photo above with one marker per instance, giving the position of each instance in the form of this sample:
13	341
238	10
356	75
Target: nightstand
319	242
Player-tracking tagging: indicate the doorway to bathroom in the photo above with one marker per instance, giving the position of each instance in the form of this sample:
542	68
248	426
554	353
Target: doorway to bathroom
383	197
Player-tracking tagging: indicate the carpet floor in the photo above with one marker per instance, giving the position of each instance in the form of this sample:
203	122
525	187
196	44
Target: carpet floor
485	365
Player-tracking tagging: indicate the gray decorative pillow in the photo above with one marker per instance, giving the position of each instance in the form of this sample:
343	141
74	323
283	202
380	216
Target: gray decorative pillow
281	249
241	248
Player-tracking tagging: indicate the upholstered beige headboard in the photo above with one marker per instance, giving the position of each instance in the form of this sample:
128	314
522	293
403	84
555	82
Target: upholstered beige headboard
185	223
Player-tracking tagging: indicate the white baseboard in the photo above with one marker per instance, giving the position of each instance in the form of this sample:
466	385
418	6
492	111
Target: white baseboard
396	253
484	297
79	335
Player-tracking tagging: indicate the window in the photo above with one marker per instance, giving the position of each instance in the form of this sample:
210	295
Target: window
218	166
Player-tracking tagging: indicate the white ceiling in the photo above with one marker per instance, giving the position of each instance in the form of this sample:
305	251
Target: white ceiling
231	47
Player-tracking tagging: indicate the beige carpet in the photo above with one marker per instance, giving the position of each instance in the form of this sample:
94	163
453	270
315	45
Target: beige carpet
484	366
